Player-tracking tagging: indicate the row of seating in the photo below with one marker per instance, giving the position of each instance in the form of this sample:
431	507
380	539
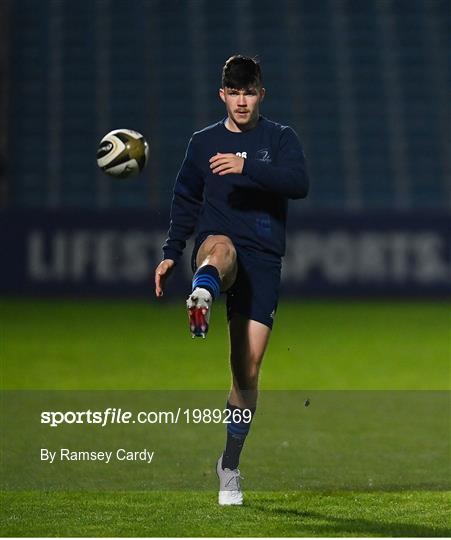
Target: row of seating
354	79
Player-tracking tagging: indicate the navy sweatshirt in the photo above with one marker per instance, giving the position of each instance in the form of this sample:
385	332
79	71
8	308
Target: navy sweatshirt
250	208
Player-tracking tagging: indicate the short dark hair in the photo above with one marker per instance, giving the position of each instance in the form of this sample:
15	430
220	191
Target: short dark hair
241	72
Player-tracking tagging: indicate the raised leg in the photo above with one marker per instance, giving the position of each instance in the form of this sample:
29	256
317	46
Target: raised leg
218	251
216	272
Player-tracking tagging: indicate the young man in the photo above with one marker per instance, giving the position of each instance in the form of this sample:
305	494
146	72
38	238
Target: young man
233	189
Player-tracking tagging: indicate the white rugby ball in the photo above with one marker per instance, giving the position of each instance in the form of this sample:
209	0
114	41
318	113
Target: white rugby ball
122	153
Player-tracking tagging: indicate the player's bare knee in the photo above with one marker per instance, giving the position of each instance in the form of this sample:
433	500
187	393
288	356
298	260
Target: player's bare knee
217	250
223	250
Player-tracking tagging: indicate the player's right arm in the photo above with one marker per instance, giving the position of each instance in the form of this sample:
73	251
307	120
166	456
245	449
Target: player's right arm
186	204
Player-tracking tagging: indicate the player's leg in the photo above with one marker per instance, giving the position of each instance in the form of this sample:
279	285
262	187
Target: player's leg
248	342
218	251
216	271
251	307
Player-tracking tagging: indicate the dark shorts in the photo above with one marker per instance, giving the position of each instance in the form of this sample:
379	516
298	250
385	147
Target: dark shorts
255	293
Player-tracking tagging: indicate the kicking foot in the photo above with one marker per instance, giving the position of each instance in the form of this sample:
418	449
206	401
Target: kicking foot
199	309
229	485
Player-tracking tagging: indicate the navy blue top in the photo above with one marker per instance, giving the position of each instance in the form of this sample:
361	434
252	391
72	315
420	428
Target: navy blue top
250	208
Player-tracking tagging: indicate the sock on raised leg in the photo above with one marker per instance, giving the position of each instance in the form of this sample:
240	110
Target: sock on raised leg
207	277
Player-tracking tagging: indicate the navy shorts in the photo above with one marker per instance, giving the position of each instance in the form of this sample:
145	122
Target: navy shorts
255	293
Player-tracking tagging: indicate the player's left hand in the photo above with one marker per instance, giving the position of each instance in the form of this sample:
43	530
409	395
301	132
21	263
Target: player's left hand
226	164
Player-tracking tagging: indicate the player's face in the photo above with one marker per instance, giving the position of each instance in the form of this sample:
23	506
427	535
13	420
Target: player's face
243	106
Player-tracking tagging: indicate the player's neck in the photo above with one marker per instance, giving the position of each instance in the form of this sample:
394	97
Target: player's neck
232	126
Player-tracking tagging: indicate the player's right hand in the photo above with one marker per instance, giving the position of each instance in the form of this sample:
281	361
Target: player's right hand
162	272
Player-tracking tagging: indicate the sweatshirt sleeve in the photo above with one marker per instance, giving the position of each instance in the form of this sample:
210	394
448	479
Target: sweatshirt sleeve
186	204
289	177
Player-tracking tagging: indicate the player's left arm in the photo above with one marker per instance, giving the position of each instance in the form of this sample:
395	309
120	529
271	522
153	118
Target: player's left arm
289	177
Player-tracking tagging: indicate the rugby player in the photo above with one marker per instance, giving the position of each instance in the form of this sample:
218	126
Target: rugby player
232	191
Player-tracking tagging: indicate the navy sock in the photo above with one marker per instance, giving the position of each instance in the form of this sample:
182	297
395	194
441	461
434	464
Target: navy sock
207	277
236	435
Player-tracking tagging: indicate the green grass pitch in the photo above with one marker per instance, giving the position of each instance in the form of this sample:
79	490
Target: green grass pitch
87	344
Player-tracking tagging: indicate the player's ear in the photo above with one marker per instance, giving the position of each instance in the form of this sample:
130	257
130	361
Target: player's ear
262	94
221	94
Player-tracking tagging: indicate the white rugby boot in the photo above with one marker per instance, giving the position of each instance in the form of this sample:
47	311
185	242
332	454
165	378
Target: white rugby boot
199	309
229	485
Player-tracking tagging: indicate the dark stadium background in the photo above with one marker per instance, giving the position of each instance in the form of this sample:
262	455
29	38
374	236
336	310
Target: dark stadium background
364	84
363	318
